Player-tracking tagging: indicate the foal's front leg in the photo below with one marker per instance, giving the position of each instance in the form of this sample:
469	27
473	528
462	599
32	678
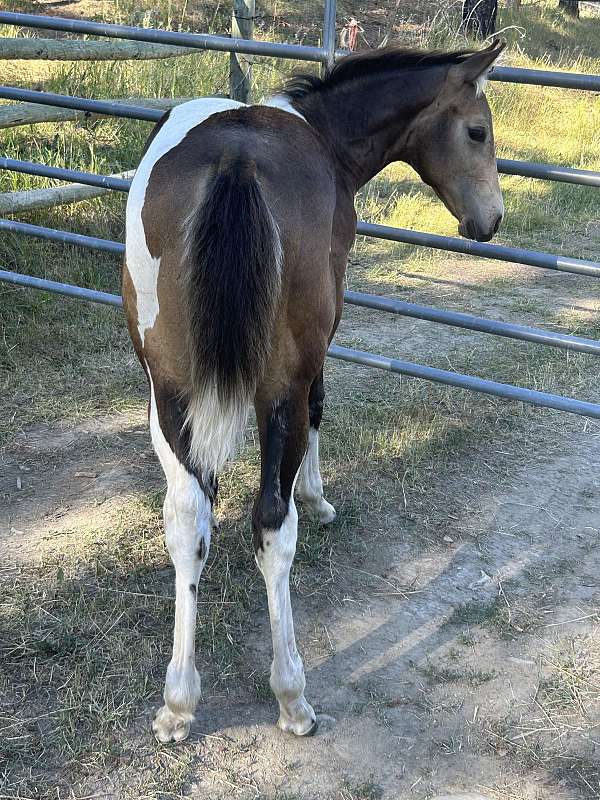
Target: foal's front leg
187	515
310	484
283	433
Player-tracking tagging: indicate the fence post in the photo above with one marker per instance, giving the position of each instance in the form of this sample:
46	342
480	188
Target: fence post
329	34
479	17
240	65
571	7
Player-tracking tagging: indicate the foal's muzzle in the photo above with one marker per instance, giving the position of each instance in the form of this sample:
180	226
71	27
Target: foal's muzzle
470	229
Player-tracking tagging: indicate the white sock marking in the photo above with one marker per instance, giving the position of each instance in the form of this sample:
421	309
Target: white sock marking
310	484
187	518
287	672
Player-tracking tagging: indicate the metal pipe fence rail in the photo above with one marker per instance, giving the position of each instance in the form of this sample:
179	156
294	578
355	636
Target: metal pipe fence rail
376	302
197	41
526	169
515	255
446	377
204	41
348	354
326	56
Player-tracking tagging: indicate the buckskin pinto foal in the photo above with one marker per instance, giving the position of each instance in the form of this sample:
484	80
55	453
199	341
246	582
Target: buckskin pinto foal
239	224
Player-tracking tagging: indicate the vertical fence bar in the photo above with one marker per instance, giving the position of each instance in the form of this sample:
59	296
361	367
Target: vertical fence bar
329	34
240	66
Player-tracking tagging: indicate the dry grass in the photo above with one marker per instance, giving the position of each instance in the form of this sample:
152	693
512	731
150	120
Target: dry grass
86	628
554	729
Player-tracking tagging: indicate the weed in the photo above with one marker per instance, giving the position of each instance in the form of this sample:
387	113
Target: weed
436	673
365	790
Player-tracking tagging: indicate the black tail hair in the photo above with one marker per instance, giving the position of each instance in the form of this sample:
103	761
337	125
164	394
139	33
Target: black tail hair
233	285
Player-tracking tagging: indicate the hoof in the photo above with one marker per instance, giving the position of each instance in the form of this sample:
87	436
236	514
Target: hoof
319	509
299	728
171	727
302	723
326	512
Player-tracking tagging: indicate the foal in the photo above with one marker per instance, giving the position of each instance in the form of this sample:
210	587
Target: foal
239	223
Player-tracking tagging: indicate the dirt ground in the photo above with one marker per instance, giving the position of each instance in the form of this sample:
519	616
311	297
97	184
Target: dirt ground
456	650
449	621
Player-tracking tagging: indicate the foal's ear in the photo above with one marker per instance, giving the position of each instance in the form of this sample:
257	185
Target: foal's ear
475	68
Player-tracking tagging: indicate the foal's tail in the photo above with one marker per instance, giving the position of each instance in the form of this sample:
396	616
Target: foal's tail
233	285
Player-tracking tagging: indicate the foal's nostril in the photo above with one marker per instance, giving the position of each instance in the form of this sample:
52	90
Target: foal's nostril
471	229
497	223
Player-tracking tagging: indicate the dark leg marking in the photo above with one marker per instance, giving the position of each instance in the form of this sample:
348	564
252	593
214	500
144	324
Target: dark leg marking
271	504
283	436
316	398
171	408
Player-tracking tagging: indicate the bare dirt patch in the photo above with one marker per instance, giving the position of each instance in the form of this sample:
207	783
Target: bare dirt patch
432	619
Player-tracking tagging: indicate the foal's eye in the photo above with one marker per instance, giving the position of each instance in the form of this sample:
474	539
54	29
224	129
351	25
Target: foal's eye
477	134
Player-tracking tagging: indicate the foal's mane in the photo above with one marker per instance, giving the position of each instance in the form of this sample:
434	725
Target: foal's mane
370	62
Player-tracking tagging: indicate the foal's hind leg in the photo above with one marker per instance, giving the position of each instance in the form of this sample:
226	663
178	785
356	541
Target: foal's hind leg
187	514
310	485
283	425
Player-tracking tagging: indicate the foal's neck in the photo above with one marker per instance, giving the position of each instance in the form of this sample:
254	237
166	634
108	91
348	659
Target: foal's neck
366	121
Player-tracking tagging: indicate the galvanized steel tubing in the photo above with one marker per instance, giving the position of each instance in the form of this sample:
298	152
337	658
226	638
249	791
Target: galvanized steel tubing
59	173
403	235
389	304
548	172
65	237
204	41
446	377
468	321
329	33
197	41
545	77
460	381
527	169
104	107
78	292
500	252
122	184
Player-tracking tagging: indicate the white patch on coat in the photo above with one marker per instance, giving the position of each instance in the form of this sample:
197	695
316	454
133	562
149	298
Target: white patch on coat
215	428
310	484
187	519
287	671
142	267
284	103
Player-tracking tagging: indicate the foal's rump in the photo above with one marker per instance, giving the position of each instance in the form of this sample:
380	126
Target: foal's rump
203	289
232	282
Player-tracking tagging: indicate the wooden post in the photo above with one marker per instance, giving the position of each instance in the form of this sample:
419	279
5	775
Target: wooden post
479	17
240	64
570	7
32	199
